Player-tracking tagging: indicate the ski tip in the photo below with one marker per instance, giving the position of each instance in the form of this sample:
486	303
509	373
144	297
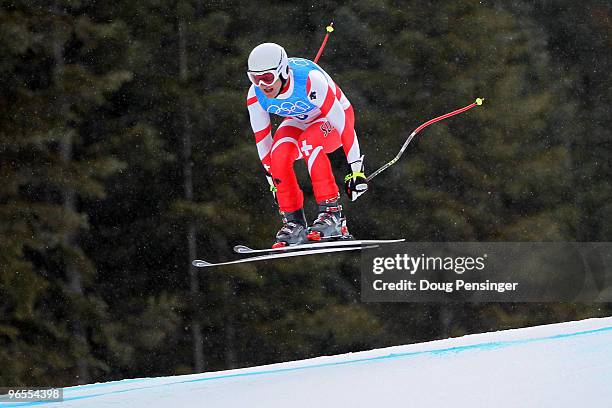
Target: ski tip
198	263
241	249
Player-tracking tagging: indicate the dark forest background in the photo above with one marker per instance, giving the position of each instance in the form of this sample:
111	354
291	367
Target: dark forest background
126	151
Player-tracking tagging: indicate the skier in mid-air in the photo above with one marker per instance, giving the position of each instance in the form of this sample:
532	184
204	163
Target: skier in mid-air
318	120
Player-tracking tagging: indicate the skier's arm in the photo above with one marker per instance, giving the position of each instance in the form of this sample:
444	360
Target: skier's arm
262	128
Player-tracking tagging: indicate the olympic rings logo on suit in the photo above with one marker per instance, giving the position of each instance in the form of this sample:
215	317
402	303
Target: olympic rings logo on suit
289	108
300	61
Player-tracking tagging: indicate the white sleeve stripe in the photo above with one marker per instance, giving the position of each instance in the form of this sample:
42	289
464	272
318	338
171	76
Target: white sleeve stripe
319	84
344	101
260	119
330	81
264	146
337	117
354	153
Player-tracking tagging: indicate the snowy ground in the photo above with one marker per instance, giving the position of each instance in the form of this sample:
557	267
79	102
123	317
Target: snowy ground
560	365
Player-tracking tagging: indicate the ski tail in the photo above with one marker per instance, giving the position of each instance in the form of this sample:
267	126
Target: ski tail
242	249
199	263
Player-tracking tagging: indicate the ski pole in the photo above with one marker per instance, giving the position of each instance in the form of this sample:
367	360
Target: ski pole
329	29
478	102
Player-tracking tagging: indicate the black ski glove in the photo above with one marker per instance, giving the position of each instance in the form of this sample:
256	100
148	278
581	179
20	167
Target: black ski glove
356	183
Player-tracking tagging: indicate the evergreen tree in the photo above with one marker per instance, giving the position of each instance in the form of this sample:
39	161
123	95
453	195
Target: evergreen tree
51	166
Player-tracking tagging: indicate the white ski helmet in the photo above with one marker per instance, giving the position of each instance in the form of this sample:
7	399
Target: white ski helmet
268	57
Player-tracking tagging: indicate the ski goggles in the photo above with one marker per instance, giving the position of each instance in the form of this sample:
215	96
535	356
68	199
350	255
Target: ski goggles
266	78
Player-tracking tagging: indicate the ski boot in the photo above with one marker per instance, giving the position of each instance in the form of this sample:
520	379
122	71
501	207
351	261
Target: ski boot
330	224
293	231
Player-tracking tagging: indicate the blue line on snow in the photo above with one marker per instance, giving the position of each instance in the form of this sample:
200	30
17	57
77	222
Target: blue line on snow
456	349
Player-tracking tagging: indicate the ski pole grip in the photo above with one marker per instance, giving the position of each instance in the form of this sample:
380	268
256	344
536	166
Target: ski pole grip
329	29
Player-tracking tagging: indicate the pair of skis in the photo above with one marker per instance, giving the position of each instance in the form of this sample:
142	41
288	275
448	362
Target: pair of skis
298	250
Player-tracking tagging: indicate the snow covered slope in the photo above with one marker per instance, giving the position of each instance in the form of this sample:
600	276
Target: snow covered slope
560	365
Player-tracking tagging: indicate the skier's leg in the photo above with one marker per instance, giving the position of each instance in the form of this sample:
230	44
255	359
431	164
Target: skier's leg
319	139
315	142
285	152
290	198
